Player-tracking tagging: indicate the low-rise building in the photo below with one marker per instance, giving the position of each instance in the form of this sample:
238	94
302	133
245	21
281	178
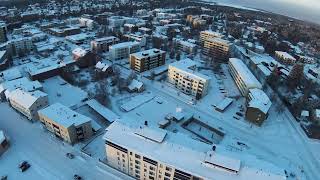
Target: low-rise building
285	58
65	123
152	153
102	44
146	60
218	49
123	50
4	142
138	38
182	74
242	76
28	103
258	106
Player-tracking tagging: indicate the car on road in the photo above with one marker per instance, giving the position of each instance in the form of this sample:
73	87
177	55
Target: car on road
24	166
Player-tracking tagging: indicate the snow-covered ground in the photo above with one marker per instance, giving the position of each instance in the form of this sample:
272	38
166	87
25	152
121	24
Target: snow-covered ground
45	153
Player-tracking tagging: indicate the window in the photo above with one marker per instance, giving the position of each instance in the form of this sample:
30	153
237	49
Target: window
168	169
131	153
137	156
167	174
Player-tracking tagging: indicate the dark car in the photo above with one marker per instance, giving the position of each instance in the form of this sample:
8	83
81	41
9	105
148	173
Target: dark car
70	156
24	166
77	177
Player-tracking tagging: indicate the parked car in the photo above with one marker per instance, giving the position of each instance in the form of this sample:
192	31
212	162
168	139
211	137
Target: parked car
4	177
24	166
70	156
77	177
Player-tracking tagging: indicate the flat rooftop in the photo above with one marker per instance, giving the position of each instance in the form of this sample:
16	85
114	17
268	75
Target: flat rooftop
185	65
147	53
192	156
63	115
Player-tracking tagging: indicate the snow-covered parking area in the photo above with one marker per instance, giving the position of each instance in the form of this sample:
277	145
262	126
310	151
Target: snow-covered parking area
46	154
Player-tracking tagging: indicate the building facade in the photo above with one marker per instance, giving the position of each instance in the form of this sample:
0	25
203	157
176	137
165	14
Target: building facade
242	76
218	49
285	58
4	142
183	76
20	47
148	59
28	103
205	35
102	44
123	50
148	153
65	123
3	32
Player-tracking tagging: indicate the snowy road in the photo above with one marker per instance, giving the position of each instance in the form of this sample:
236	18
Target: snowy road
46	154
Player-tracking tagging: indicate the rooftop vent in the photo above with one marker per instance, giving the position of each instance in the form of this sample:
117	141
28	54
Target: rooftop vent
156	51
145	54
146	123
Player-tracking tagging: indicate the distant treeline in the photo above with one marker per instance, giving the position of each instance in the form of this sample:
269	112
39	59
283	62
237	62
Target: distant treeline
20	3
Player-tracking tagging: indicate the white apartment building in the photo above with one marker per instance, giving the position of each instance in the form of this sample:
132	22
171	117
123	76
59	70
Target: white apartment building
102	44
242	76
205	35
182	74
20	46
28	103
3	32
149	153
65	123
123	50
148	59
186	46
285	58
138	38
217	48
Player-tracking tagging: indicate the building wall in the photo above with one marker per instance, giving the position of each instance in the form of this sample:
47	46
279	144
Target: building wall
196	87
147	62
68	134
141	167
217	50
3	33
255	115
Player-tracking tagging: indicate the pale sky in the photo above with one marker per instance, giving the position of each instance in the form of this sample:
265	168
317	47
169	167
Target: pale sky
301	9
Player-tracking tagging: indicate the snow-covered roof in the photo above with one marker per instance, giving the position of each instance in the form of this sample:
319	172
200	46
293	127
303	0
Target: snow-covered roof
135	84
304	113
103	111
182	152
244	73
152	134
63	115
185	65
317	113
22	83
10	74
224	104
106	39
136	101
124	45
147	53
260	100
80	52
24	98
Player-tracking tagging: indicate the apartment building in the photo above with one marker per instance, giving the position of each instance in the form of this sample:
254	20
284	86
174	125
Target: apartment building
285	58
3	32
138	38
242	76
182	74
185	46
205	35
20	46
258	106
217	48
65	123
4	62
123	50
149	153
28	103
102	44
148	59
